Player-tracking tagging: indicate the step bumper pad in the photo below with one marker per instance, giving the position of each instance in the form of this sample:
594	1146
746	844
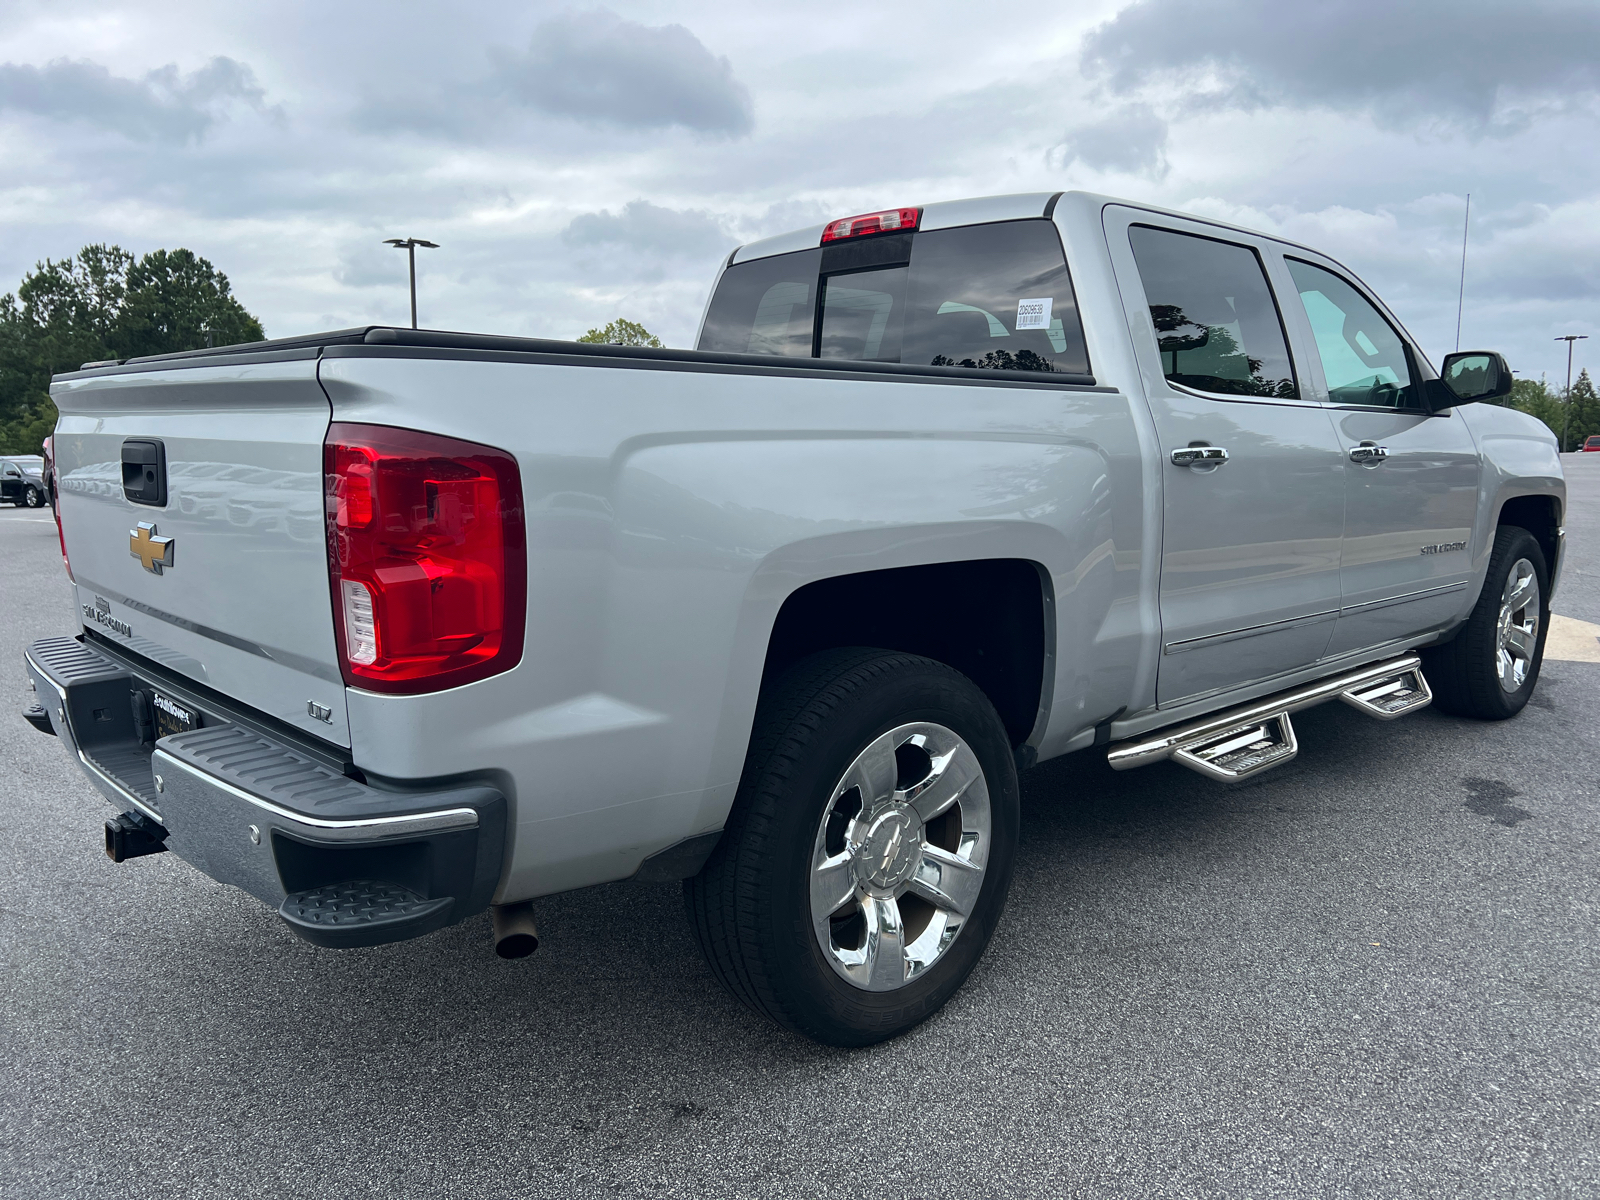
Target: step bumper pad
345	862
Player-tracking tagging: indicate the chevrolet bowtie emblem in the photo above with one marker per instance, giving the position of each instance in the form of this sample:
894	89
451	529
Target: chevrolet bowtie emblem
154	552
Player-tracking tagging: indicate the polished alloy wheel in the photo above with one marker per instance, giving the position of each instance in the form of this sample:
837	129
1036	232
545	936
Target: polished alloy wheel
1517	632
899	856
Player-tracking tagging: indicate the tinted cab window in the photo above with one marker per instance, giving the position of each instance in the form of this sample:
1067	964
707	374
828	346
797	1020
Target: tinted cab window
1215	320
996	297
1363	359
982	297
767	306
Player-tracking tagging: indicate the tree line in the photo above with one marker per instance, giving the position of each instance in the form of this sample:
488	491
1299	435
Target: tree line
104	303
1579	417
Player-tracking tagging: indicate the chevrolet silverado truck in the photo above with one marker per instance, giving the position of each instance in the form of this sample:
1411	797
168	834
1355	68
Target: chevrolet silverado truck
390	627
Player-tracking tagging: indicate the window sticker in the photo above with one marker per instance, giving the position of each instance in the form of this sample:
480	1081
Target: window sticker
1034	314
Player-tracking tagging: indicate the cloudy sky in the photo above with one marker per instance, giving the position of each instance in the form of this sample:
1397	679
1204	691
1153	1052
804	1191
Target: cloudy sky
578	163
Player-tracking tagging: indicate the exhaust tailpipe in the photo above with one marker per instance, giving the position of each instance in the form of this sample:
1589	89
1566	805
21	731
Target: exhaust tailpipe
514	933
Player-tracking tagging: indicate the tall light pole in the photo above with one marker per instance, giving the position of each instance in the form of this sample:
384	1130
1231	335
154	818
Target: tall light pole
1461	295
409	245
1566	419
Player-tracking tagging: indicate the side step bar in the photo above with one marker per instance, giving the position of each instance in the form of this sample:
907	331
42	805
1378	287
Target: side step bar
1390	697
1250	739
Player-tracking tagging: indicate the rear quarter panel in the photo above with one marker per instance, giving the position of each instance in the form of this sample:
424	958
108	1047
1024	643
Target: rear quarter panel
670	513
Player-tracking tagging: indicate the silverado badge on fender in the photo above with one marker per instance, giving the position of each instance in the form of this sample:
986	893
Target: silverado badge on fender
152	551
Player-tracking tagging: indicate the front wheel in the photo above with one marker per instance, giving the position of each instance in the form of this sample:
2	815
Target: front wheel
1490	668
867	857
33	497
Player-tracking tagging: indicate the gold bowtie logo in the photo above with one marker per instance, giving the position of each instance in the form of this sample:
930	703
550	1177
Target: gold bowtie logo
152	551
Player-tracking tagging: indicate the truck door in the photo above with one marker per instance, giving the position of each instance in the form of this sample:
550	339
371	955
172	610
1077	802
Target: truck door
1251	473
1411	476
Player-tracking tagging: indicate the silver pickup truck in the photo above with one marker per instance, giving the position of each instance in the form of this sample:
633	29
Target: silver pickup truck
389	627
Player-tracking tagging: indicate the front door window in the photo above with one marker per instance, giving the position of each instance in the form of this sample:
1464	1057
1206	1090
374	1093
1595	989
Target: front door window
1363	359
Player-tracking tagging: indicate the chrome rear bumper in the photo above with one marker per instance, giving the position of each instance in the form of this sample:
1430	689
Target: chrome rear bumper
266	815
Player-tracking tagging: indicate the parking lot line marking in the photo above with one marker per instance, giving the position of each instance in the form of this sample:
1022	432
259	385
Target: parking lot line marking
1570	640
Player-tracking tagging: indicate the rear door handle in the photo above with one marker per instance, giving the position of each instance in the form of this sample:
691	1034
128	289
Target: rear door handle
1199	456
1368	453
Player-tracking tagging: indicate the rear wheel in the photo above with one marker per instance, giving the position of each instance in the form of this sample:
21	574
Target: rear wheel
33	497
867	857
1490	668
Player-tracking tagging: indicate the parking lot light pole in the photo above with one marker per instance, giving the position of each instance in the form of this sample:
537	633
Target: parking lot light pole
409	245
1566	418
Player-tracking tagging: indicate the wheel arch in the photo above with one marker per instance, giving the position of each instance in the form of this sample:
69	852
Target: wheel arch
1540	515
990	619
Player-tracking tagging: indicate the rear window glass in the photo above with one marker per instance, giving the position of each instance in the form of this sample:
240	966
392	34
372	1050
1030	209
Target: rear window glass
995	297
862	314
767	306
984	297
1215	320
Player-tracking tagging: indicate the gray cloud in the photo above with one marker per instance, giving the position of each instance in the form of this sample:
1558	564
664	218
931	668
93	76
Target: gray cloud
1466	63
444	145
651	229
162	106
600	69
1131	139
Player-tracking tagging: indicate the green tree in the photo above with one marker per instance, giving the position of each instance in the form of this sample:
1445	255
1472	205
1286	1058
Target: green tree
1536	398
104	303
179	301
622	332
1584	407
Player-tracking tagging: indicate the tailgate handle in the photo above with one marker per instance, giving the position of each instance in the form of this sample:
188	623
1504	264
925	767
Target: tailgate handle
144	471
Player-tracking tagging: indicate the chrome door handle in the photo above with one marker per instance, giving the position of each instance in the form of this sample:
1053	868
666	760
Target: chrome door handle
1368	453
1199	456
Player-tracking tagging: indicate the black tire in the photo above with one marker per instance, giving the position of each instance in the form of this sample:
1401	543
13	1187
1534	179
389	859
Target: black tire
1464	672
750	905
32	497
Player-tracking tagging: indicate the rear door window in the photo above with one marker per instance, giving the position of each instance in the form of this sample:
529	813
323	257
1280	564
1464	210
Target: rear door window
993	297
767	306
1215	320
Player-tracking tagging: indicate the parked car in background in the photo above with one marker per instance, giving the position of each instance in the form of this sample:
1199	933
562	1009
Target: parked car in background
22	481
1592	442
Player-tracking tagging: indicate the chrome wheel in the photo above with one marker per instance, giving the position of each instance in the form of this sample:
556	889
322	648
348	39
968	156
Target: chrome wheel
1517	632
898	861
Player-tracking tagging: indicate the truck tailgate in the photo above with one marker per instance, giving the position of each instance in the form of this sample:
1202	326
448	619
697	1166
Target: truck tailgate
244	606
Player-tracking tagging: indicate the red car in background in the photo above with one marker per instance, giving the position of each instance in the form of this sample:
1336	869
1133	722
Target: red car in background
1592	442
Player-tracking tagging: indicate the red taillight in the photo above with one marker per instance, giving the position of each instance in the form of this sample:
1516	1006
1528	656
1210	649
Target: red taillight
890	220
426	556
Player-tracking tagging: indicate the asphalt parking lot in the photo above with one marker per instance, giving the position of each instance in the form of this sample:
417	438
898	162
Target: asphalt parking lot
1372	972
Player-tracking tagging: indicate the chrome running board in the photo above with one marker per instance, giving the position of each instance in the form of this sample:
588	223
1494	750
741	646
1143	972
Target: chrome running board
1218	746
1241	750
1390	697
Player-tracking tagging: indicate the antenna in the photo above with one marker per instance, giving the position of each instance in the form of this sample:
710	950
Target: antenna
1462	294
